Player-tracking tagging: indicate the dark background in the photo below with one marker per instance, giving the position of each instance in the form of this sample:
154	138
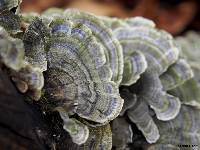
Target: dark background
174	16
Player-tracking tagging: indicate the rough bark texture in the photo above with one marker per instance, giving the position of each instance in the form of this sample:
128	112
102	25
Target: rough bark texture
21	127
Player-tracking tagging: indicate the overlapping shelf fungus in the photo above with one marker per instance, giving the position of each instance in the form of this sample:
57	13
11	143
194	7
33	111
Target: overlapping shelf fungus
105	76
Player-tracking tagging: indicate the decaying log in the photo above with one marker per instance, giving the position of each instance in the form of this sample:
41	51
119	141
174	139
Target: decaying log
21	127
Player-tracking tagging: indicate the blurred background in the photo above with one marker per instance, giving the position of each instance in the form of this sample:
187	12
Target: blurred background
175	16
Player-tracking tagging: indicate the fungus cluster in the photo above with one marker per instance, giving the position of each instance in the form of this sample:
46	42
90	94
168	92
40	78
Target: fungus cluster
98	71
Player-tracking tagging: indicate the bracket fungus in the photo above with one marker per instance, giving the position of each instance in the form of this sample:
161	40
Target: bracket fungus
150	57
82	80
11	50
183	130
9	4
104	35
103	75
